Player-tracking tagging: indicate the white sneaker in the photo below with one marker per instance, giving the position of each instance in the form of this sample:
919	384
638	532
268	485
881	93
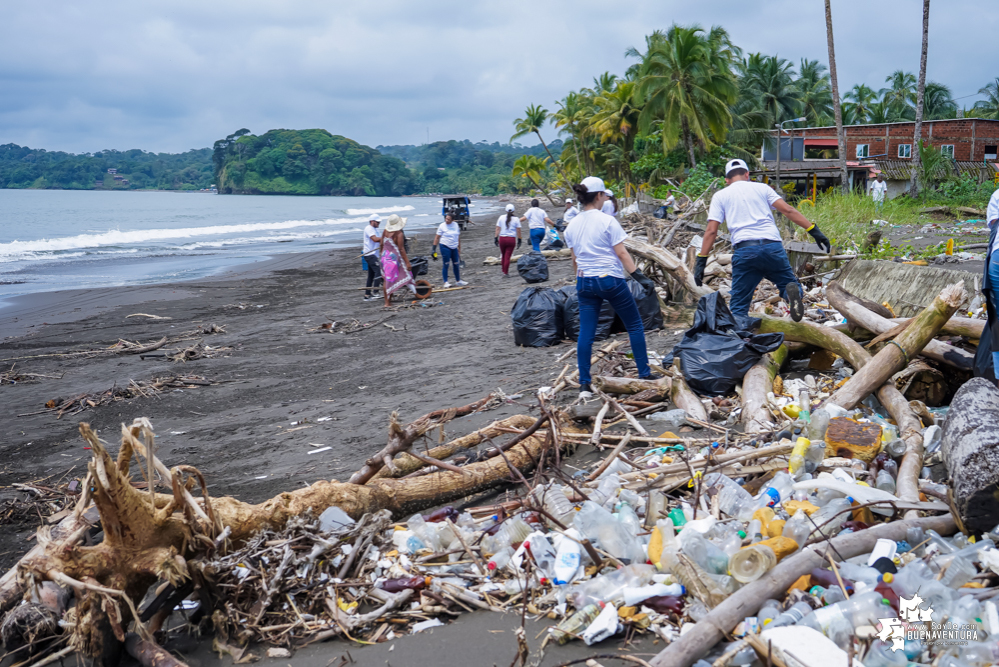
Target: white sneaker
461	283
447	285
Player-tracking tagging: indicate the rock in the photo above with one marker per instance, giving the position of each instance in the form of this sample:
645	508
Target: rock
276	652
970	447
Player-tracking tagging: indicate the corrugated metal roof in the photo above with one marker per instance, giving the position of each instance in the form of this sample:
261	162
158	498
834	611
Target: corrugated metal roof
900	170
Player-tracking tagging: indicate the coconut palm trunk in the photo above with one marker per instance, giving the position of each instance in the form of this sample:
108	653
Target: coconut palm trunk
837	105
920	93
688	141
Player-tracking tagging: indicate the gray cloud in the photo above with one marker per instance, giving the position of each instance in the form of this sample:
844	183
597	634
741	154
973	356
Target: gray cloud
173	76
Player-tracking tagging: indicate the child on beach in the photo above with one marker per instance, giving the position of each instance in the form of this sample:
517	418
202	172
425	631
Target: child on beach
507	228
449	238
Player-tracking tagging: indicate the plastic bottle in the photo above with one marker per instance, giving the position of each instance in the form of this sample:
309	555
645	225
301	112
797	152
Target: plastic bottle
447	512
677	516
856	573
798	528
751	563
665	604
885	482
575	624
557	503
427	534
896	448
404	583
796	463
814	455
704	552
609	587
656	508
778	489
633	595
891	467
887	592
818	425
754	531
932	437
543	553
406	542
959	572
768	612
499	560
831	516
511	532
733	500
827	579
600	527
567	559
795	613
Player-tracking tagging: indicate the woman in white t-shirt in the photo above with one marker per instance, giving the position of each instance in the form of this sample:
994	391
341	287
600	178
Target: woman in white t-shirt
610	206
536	220
602	262
507	229
449	238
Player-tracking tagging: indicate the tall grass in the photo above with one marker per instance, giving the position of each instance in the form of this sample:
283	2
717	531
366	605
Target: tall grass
847	219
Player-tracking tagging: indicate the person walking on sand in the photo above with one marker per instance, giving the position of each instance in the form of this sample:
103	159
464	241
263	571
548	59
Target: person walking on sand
601	262
507	229
610	206
879	189
449	238
372	242
537	220
395	262
570	211
758	250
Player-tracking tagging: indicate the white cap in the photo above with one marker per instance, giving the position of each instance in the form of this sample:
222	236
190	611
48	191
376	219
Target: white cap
594	184
510	208
610	193
568	200
735	164
374	217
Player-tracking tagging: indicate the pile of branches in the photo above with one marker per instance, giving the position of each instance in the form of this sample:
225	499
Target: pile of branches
14	376
142	388
39	500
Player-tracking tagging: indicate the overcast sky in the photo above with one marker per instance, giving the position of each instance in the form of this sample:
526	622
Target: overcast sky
170	76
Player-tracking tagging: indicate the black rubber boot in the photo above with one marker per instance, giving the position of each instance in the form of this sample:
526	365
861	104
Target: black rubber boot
794	301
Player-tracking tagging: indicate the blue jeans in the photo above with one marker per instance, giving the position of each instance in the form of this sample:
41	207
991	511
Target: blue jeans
994	277
592	292
450	255
750	265
537	236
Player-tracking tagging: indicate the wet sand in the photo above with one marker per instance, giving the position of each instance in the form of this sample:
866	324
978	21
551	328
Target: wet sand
449	352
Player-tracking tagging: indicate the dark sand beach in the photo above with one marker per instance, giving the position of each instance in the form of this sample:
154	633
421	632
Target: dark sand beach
449	351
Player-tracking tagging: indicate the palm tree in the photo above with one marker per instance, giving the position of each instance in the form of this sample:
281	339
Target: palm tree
901	94
815	102
938	102
920	96
567	119
536	117
604	83
881	112
531	168
680	83
859	101
837	106
769	80
989	107
616	117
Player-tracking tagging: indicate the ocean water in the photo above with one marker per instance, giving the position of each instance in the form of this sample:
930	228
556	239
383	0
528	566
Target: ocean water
62	239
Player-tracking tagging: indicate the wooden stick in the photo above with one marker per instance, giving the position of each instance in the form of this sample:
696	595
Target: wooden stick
607	461
434	462
683	397
598	423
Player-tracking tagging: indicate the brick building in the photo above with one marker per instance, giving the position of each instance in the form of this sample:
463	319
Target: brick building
811	153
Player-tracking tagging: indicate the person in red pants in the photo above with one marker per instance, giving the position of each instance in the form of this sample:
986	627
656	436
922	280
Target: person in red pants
507	229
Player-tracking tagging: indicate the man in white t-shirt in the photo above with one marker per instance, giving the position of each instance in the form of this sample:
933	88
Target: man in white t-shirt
746	207
536	220
372	240
879	190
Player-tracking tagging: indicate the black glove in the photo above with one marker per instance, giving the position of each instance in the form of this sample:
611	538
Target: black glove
433	253
699	266
820	238
496	241
519	241
643	280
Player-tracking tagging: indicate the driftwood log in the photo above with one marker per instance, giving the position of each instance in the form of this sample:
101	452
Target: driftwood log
852	308
669	263
625	385
970	448
721	620
955	326
906	346
683	396
758	382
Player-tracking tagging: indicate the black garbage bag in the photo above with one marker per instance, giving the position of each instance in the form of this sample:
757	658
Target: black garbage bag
984	368
537	318
715	354
533	267
419	265
660	213
570	315
648	308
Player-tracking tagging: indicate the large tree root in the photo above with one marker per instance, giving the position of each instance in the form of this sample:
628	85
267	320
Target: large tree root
707	632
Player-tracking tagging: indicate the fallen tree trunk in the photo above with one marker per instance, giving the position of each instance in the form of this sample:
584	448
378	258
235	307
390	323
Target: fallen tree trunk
970	448
851	307
895	356
909	427
402	438
669	263
758	382
683	397
955	326
624	385
720	621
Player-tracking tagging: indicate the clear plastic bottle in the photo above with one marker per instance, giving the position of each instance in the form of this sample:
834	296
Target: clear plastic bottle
891	467
855	572
805	407
794	614
543	553
814	455
768	612
610	587
733	500
704	552
831	516
959	572
818	425
932	438
601	528
896	448
754	531
557	503
575	624
632	595
751	563
798	528
499	560
513	531
885	482
656	508
779	488
426	532
567	559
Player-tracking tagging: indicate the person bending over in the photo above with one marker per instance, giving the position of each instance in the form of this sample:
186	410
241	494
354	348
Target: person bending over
745	207
601	263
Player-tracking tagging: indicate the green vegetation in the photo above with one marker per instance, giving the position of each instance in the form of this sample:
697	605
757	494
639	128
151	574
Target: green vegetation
23	167
306	162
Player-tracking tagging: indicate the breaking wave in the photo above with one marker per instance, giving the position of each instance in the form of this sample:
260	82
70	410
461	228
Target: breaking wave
368	211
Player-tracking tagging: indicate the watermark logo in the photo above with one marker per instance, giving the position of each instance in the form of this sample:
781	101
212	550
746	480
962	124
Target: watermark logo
916	624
